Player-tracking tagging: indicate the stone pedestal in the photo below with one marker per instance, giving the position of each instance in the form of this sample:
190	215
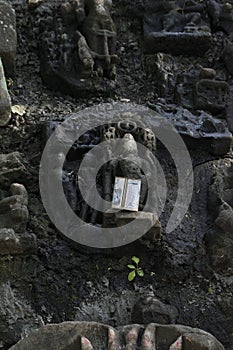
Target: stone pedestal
121	218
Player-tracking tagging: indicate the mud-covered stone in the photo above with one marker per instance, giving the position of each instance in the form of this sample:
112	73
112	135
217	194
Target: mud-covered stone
8	37
150	309
14	244
12	169
17	318
5	101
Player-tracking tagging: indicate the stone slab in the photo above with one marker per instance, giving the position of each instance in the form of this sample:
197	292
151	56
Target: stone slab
195	44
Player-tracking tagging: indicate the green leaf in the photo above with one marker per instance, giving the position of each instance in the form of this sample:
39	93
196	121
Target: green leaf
132	267
131	275
140	272
135	259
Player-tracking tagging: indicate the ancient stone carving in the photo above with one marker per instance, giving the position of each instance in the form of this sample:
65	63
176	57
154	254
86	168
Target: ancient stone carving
200	130
129	132
13	209
92	335
5	101
198	89
77	42
176	27
8	38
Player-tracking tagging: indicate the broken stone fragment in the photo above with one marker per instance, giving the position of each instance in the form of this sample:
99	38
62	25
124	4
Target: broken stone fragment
8	38
5	101
149	309
13	209
13	244
12	169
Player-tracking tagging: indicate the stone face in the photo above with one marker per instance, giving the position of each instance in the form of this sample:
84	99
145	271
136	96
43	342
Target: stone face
8	38
13	244
92	335
150	309
5	101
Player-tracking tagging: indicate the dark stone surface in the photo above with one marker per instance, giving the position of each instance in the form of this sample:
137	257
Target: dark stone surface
194	44
8	38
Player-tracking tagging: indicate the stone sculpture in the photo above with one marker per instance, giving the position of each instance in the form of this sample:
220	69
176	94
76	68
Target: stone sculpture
199	89
176	27
78	43
92	335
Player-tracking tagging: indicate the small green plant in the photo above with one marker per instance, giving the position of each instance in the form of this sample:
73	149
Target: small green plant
136	270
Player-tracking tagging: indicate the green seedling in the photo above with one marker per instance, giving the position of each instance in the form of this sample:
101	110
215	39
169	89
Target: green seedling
136	270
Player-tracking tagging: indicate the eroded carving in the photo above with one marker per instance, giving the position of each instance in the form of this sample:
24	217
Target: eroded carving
78	43
176	27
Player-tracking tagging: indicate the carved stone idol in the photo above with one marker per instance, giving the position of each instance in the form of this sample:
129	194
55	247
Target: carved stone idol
77	44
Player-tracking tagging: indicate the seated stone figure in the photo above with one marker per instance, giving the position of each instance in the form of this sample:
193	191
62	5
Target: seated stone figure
85	59
13	209
100	33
